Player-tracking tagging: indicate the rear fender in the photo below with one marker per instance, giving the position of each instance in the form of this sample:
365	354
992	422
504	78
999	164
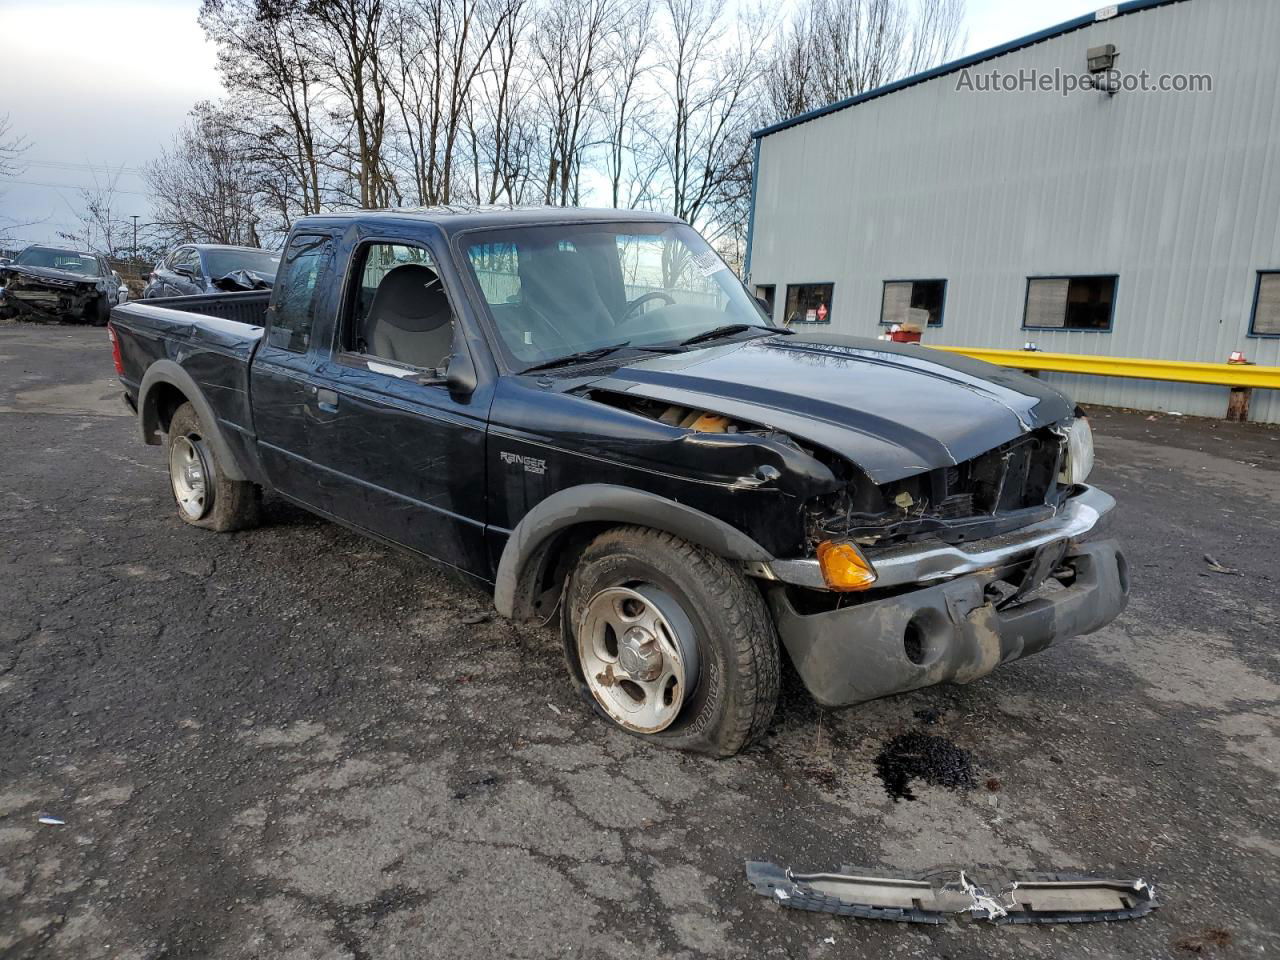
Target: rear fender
169	372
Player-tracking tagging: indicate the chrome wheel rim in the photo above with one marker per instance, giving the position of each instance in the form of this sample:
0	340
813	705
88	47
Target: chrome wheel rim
189	477
639	655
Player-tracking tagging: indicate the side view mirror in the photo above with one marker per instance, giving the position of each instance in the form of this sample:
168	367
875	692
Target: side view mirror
458	375
185	270
765	306
4	260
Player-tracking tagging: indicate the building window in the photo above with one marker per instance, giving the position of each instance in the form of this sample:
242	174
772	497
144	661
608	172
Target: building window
809	302
1069	303
915	302
1266	305
765	292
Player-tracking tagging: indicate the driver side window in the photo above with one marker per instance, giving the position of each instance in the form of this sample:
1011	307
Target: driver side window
398	310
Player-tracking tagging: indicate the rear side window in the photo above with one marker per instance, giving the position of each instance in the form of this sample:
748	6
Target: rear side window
297	289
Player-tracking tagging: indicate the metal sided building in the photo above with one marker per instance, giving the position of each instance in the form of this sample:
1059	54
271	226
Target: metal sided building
993	212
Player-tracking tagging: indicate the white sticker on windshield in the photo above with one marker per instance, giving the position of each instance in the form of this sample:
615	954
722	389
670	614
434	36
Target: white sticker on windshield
708	262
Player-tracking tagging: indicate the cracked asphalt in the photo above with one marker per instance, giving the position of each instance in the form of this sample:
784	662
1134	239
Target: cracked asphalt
293	743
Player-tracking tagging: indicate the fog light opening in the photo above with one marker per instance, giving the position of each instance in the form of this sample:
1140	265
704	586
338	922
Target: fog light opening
913	641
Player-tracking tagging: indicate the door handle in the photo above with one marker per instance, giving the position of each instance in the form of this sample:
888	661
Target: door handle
327	400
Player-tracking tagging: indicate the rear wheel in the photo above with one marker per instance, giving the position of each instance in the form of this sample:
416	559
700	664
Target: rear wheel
204	495
671	642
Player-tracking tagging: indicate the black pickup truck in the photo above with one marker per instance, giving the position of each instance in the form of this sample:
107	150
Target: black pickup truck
586	412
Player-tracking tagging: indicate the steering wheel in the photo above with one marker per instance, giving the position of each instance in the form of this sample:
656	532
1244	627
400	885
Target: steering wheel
644	298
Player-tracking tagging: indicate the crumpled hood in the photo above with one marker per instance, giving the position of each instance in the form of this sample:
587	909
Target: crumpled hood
47	273
893	409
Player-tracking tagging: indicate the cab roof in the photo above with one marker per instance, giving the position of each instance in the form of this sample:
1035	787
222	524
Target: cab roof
458	217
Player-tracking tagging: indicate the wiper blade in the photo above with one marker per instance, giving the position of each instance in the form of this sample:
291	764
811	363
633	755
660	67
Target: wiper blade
581	356
728	330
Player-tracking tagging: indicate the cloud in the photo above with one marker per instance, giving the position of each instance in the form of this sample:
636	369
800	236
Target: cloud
96	84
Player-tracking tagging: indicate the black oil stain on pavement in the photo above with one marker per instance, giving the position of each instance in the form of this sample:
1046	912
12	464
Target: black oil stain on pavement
918	756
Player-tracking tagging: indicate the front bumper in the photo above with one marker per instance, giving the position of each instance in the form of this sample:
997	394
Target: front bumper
953	632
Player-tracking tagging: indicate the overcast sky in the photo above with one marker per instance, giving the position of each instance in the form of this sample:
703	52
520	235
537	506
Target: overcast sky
105	83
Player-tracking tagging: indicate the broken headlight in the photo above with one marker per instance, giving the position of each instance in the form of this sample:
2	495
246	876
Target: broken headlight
1077	462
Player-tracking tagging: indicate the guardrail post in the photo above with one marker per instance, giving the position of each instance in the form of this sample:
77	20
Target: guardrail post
1238	404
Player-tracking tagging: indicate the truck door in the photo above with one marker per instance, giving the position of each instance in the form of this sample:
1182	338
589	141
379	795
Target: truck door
407	457
284	384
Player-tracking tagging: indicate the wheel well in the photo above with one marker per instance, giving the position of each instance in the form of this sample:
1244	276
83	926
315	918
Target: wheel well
165	399
547	570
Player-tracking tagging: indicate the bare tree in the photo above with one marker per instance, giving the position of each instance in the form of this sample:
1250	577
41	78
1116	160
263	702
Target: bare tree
442	47
503	129
834	49
12	147
570	41
202	187
626	109
351	36
709	77
274	82
99	228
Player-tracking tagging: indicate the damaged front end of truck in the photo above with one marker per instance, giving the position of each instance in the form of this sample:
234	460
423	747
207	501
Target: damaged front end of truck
883	578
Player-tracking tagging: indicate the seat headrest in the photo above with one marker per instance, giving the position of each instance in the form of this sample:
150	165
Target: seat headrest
410	297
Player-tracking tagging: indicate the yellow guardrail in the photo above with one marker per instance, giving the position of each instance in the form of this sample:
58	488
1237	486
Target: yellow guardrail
1181	371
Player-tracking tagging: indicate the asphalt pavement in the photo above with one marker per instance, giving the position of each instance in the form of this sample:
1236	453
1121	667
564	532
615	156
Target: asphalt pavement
292	742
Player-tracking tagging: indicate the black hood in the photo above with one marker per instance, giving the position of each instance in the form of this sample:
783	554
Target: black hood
893	409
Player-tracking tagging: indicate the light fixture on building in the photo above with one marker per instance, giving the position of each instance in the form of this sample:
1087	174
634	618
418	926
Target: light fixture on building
1101	59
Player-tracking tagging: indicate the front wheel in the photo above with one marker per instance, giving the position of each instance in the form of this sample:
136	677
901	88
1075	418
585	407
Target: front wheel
204	495
673	643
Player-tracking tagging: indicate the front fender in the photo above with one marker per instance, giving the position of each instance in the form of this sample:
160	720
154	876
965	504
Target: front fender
531	545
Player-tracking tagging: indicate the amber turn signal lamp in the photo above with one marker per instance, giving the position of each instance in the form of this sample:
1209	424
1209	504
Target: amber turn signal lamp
844	567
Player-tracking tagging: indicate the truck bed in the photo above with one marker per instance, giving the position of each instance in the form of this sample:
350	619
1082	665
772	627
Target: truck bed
211	337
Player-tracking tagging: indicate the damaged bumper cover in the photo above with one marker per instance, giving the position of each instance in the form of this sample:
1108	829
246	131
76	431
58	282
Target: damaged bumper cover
931	562
961	629
935	897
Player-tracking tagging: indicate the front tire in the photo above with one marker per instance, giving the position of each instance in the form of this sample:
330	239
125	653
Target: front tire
97	313
671	642
204	495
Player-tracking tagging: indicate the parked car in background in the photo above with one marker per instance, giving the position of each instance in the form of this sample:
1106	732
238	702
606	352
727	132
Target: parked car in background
54	283
197	268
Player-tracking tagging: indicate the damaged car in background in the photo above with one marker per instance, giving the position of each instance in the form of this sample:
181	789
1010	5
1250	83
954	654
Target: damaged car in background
51	283
198	268
586	412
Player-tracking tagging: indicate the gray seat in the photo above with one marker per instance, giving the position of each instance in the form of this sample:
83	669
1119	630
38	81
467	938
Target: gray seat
410	320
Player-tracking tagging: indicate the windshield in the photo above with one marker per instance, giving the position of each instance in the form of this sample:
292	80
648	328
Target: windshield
559	290
68	260
222	262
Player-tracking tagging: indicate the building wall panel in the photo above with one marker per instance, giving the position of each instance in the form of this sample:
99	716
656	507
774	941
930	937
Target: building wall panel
1177	193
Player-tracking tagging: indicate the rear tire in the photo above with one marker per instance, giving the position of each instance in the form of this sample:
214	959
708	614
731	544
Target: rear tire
671	642
204	495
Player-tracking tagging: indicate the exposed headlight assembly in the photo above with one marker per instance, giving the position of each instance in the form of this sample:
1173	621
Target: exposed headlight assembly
1078	462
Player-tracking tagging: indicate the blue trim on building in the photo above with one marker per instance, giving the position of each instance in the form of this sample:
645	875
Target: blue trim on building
751	213
1131	6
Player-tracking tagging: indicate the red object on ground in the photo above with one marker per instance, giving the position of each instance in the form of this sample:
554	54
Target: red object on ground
905	336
